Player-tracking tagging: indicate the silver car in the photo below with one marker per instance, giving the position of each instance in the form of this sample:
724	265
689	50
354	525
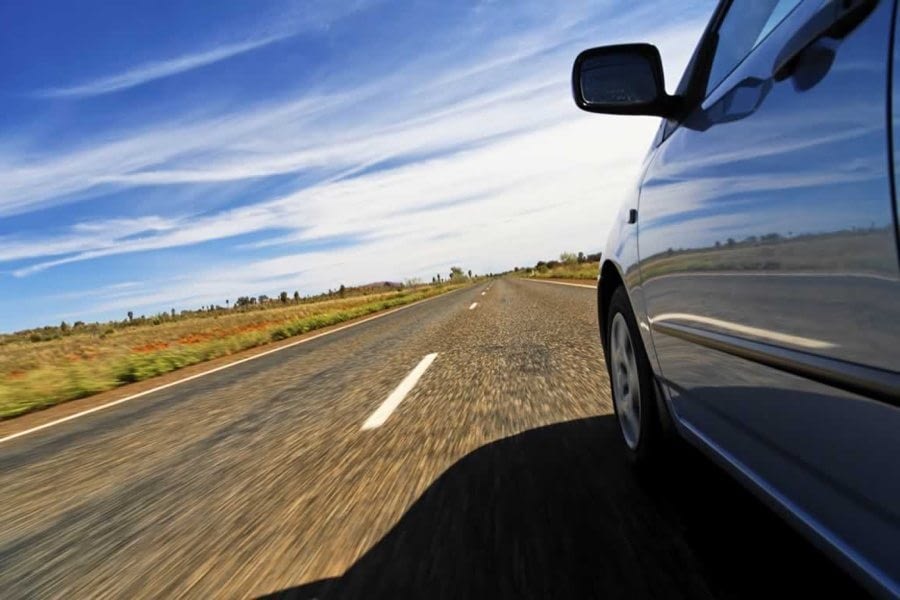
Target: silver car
749	294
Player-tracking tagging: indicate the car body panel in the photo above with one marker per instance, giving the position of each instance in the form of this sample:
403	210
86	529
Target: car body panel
621	254
766	219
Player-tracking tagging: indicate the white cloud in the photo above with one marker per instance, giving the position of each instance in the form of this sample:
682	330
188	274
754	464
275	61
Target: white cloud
502	171
152	71
82	237
32	184
314	15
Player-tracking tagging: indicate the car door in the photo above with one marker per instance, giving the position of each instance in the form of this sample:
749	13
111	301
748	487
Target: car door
769	267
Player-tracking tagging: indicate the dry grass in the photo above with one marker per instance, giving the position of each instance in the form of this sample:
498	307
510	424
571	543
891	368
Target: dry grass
585	270
35	375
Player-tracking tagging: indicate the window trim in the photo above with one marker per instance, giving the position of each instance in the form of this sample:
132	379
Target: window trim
692	85
759	42
695	79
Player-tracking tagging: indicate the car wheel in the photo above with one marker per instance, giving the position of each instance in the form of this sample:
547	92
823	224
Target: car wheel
631	379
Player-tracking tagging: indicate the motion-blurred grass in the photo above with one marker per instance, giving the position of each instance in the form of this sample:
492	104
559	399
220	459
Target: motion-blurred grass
35	375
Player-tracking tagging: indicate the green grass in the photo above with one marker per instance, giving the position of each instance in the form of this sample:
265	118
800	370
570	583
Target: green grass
35	375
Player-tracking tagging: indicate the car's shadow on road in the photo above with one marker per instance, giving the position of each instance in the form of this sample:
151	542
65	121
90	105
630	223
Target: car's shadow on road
557	512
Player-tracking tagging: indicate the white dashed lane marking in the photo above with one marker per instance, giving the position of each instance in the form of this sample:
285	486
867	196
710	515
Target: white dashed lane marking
393	401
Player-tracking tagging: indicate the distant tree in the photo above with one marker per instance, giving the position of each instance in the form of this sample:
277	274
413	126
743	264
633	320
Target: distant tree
594	257
227	303
173	313
64	327
78	324
342	290
263	299
130	316
730	242
581	257
283	296
470	273
569	258
515	269
296	296
456	273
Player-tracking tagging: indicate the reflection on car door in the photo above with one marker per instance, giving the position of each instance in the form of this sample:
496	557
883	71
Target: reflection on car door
768	259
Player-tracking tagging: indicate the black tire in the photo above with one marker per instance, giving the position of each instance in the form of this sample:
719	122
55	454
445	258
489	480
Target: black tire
643	440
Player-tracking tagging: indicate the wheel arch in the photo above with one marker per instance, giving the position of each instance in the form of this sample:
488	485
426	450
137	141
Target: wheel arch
610	279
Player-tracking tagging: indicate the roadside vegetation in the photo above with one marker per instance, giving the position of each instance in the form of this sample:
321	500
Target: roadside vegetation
49	365
569	266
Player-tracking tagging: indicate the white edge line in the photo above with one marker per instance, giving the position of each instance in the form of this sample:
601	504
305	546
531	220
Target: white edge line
473	305
13	436
581	285
387	407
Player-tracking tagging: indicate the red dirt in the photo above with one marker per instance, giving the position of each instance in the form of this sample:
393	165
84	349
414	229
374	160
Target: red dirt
151	347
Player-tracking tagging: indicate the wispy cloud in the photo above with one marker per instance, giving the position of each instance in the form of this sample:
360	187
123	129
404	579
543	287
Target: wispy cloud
347	128
506	178
474	157
82	237
479	154
151	71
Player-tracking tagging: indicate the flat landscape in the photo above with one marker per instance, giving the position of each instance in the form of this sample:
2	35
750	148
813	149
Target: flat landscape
498	472
47	366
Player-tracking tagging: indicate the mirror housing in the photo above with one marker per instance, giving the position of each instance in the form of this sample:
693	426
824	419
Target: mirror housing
625	79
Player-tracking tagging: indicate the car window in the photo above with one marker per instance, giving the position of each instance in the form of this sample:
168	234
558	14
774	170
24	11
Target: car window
743	27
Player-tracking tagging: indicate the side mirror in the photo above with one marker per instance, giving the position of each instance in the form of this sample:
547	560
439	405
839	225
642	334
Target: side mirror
626	79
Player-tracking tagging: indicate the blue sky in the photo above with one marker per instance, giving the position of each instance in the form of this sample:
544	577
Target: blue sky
175	154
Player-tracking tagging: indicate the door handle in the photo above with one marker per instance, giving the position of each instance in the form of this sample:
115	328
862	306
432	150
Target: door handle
835	19
632	216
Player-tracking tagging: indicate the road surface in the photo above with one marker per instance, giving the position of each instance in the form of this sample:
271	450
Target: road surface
461	448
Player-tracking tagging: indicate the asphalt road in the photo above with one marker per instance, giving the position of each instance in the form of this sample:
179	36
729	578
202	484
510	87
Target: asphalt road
499	475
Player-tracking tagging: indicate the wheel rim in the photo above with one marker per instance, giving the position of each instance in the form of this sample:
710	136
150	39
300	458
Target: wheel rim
626	383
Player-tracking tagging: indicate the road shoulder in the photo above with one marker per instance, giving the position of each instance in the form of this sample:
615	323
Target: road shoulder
18	426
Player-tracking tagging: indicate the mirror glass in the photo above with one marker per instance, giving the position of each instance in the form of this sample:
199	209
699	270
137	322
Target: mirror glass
618	78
